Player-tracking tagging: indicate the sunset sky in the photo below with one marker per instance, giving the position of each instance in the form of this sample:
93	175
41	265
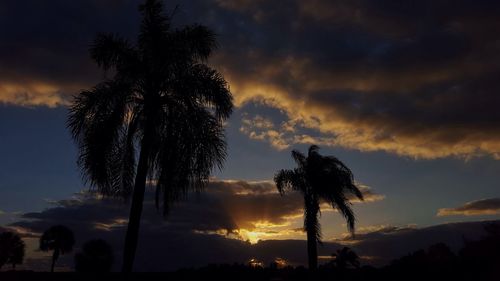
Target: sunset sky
405	93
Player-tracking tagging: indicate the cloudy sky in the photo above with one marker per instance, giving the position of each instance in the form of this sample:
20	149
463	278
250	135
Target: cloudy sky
405	93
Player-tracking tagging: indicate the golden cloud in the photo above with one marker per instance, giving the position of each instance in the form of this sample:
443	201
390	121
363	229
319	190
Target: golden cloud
31	94
474	208
363	111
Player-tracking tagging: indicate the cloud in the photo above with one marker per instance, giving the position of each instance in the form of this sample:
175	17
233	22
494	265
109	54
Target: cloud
171	244
385	243
243	200
21	231
44	54
229	205
417	80
34	93
481	207
231	213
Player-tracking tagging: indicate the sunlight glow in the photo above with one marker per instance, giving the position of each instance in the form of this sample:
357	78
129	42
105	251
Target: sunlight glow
255	263
253	236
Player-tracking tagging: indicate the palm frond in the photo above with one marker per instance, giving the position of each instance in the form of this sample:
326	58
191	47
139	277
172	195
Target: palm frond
208	87
196	41
110	50
313	149
123	165
299	158
95	120
342	204
58	236
153	31
343	175
289	180
191	146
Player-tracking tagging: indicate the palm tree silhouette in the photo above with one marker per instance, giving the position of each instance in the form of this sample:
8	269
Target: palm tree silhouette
58	239
11	249
96	256
163	103
345	257
319	178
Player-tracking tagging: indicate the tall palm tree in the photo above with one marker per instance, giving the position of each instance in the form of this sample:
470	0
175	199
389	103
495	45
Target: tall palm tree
58	239
96	256
12	249
163	104
319	178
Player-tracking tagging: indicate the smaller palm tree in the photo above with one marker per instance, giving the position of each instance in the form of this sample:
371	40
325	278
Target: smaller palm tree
58	239
12	249
96	256
345	257
319	178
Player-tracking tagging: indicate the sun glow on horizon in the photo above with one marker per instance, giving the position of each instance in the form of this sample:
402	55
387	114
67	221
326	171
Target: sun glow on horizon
265	230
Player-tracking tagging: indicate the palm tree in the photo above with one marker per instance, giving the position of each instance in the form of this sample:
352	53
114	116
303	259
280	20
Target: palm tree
96	256
162	103
319	178
58	239
11	249
344	257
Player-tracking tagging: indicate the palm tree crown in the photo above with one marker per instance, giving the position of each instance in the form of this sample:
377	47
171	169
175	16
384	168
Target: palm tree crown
163	104
58	239
319	178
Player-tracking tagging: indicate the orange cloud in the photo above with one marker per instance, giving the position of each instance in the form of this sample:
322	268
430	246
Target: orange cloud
31	94
350	109
474	208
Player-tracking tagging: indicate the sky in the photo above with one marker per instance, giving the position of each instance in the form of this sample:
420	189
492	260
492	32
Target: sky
405	93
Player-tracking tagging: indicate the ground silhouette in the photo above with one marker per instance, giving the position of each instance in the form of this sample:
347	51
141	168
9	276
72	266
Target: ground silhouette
477	260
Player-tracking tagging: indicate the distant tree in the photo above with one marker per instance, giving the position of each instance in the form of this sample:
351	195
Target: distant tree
96	256
319	178
12	249
58	239
416	258
485	252
345	257
440	254
163	104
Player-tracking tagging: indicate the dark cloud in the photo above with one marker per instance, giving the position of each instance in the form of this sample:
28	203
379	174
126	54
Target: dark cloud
229	205
44	49
208	227
173	243
415	78
389	242
489	206
410	78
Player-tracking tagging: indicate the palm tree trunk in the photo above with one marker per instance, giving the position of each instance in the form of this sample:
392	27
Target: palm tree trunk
312	250
311	224
134	221
55	255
